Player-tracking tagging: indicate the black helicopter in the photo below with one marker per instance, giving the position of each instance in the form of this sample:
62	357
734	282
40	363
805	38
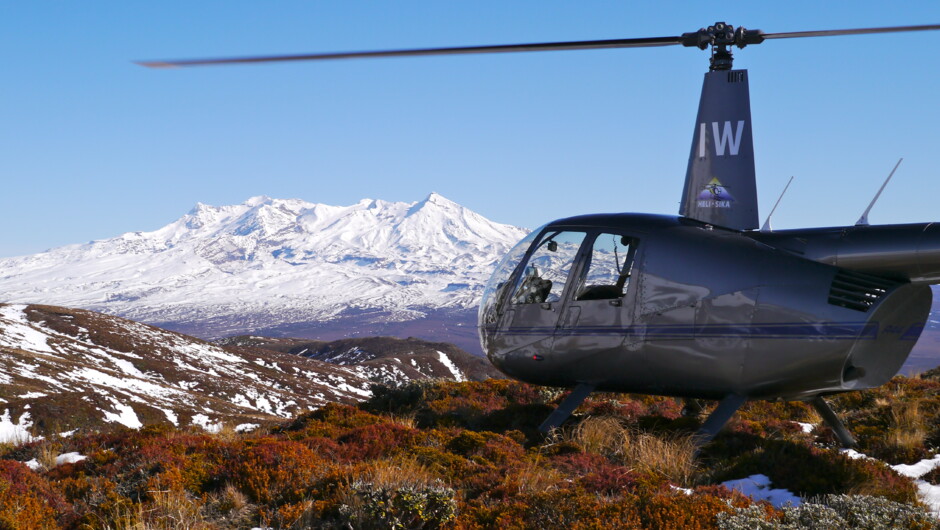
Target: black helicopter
702	305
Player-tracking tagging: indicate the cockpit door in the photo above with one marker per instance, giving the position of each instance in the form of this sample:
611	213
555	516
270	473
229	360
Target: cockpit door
597	321
536	300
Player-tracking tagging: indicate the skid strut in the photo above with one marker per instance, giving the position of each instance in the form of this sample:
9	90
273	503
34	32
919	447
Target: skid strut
560	414
833	421
718	418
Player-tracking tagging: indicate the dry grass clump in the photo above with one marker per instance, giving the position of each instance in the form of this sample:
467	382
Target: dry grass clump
48	453
396	473
168	510
405	420
907	430
229	506
604	435
227	433
533	477
672	456
668	456
174	509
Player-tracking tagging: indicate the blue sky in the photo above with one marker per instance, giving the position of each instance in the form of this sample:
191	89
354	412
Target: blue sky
94	146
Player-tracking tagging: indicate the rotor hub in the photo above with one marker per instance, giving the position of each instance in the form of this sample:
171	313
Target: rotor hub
721	36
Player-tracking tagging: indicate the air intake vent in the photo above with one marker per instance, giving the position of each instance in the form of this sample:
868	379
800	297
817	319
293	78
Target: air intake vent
854	290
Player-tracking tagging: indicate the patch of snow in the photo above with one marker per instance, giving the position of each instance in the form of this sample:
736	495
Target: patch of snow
445	360
32	395
171	417
246	427
929	494
125	415
19	333
757	487
34	465
131	384
340	384
15	433
919	469
854	455
69	458
128	368
264	404
807	427
203	421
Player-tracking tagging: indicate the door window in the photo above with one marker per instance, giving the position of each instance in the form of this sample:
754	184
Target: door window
608	268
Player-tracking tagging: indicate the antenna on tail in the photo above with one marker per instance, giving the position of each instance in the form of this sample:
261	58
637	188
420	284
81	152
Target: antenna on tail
767	227
863	220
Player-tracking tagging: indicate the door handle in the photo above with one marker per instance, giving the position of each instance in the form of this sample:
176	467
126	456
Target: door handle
616	303
546	305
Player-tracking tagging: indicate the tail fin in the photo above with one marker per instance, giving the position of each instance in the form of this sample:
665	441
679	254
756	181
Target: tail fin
720	187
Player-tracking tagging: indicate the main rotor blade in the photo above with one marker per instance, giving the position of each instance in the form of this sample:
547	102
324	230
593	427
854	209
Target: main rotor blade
860	31
506	48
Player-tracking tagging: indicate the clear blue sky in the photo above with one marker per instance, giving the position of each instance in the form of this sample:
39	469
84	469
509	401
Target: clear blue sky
94	146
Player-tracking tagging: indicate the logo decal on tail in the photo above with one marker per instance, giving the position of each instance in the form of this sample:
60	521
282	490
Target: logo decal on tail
714	195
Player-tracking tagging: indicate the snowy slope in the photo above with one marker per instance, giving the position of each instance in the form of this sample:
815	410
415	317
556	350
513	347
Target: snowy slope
270	261
62	369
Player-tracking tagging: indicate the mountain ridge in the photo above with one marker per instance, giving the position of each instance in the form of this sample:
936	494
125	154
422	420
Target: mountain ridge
223	270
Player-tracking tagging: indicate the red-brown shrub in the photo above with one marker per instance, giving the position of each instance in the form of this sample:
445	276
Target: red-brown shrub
276	471
377	440
29	501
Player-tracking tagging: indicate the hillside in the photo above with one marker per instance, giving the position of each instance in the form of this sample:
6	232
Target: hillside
382	359
223	436
465	455
62	369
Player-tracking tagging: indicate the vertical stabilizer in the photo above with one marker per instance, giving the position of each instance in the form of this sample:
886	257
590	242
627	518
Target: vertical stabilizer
720	186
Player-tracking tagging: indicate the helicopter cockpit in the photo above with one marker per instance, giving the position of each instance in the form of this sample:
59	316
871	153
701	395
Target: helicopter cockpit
553	278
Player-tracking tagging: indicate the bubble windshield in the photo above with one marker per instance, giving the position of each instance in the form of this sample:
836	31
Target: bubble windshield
500	279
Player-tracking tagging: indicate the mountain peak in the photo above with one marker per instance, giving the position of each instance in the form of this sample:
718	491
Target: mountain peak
435	199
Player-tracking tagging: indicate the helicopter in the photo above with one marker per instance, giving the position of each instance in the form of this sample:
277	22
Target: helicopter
702	305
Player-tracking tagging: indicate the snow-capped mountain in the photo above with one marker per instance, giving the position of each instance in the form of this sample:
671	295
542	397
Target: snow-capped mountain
62	369
273	263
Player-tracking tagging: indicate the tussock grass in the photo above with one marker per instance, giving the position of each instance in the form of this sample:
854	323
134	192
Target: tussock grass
668	456
603	435
174	509
397	473
907	430
169	510
48	452
405	420
227	433
534	477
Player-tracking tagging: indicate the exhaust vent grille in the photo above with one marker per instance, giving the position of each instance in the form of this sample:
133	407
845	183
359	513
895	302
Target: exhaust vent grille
858	291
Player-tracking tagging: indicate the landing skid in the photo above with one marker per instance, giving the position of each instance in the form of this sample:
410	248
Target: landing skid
713	424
